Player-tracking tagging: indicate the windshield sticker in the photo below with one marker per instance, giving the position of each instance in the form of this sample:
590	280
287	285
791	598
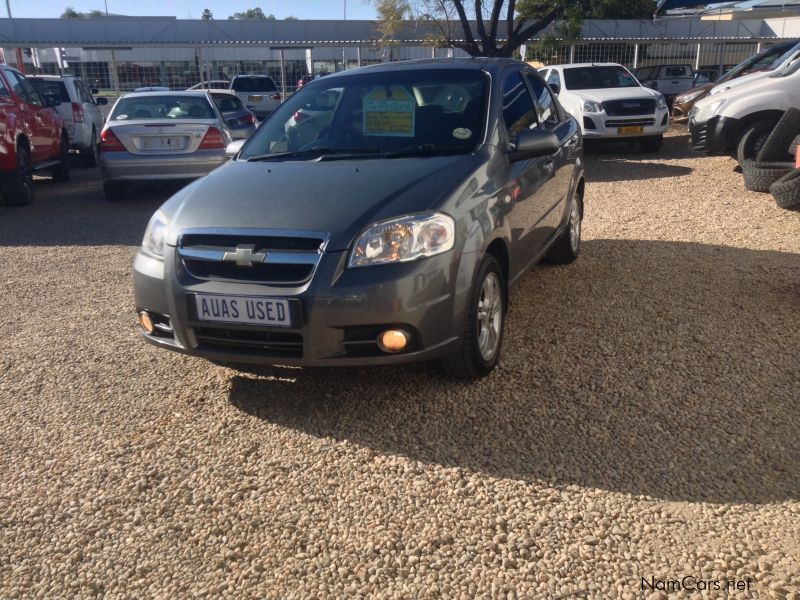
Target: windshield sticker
389	111
121	117
462	133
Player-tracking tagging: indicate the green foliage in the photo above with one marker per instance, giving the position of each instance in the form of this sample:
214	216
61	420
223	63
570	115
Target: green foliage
391	14
252	14
207	15
94	14
71	13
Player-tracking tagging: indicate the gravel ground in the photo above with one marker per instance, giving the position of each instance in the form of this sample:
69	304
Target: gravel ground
644	421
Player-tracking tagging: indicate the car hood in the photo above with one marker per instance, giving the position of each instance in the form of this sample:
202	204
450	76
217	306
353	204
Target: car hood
602	95
739	81
338	197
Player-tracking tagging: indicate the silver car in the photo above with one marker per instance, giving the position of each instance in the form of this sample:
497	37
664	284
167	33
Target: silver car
161	136
240	119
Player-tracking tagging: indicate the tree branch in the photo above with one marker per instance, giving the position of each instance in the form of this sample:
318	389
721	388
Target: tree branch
498	6
462	16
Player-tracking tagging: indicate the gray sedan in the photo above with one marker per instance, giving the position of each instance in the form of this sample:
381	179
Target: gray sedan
388	232
240	119
161	136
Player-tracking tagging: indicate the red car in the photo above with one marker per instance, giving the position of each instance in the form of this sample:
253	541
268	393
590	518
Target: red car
32	138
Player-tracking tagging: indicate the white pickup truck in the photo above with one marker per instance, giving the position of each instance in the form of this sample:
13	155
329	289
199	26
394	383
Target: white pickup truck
670	80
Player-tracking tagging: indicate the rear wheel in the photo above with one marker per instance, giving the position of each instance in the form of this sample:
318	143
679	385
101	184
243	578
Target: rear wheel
25	172
651	145
89	157
567	247
61	172
753	139
483	331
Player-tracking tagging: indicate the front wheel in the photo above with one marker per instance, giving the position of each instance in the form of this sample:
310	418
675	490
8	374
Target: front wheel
24	195
483	331
61	172
567	247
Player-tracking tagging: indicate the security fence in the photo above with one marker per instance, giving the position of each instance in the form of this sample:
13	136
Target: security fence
124	69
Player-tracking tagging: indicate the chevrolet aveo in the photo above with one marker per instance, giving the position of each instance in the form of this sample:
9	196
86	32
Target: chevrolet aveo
382	225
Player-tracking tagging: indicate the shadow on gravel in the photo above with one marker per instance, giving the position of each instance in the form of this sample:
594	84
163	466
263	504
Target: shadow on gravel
76	213
657	368
618	161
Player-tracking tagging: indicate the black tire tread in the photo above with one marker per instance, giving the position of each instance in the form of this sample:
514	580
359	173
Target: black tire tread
759	176
22	198
786	190
745	150
776	146
61	172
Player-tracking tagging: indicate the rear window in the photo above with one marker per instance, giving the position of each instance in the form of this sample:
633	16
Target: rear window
675	72
138	108
54	89
227	102
253	84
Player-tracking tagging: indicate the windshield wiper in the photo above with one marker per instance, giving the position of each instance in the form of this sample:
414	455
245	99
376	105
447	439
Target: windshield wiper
427	150
314	152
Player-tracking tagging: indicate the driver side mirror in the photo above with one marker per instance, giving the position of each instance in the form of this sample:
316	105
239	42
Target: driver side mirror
233	148
532	143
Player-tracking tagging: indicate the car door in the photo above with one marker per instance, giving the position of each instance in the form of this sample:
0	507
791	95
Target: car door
553	118
91	111
30	104
526	181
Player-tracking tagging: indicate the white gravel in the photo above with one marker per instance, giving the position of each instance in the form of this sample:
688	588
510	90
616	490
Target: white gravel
644	422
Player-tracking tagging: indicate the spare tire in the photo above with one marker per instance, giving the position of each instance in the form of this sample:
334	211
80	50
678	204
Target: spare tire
758	176
776	146
786	190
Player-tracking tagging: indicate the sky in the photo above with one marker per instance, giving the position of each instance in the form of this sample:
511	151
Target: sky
192	9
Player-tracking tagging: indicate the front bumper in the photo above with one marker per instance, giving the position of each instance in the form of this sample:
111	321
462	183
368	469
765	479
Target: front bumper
715	136
599	126
336	316
124	166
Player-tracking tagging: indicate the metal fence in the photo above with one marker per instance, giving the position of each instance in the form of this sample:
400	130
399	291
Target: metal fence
123	70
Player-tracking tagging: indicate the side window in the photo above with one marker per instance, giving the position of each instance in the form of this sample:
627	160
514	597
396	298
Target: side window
547	105
4	93
519	112
554	81
86	96
27	91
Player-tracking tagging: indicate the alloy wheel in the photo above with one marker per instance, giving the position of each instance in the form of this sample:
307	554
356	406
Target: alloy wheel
490	316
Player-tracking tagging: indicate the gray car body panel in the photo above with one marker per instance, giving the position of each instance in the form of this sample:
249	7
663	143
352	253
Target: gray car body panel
521	205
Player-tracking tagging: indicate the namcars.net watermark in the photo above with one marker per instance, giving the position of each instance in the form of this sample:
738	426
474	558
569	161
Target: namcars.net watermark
694	583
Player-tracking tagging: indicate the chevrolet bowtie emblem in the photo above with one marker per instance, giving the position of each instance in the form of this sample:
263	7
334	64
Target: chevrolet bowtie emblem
244	256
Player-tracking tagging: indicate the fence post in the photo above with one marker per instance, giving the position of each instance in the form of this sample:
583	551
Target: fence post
572	54
721	57
283	75
358	55
697	58
635	56
114	74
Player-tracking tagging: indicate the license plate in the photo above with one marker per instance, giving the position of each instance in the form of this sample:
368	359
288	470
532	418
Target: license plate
252	310
255	98
630	130
163	143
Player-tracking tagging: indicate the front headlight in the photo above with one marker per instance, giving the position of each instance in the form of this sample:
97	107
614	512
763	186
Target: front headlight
404	239
704	113
683	98
153	242
591	106
661	103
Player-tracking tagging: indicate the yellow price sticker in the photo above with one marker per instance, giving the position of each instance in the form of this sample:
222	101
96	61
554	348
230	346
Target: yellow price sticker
389	111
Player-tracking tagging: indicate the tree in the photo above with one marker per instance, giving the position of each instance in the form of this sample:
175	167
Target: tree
207	15
622	9
290	18
391	15
94	14
252	14
71	13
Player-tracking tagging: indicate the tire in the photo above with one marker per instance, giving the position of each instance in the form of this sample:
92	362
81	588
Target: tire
114	191
61	172
89	158
651	145
776	146
758	176
25	170
480	349
786	190
753	139
568	246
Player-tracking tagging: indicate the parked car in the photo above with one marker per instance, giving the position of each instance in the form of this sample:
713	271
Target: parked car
214	84
312	116
78	109
240	119
741	118
670	80
258	92
32	138
304	80
782	62
761	61
161	136
391	238
609	103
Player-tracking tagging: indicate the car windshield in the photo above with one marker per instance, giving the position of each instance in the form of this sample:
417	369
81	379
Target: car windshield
138	108
253	84
784	57
227	102
760	62
405	112
51	88
595	78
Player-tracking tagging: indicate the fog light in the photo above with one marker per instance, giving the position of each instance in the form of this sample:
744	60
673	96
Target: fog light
393	340
146	322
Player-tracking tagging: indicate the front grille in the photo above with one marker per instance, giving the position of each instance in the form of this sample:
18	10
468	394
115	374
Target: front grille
251	256
700	135
630	123
278	344
588	123
626	108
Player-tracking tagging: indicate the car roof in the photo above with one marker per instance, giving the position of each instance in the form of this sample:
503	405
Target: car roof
199	93
225	91
254	75
492	65
582	65
52	77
